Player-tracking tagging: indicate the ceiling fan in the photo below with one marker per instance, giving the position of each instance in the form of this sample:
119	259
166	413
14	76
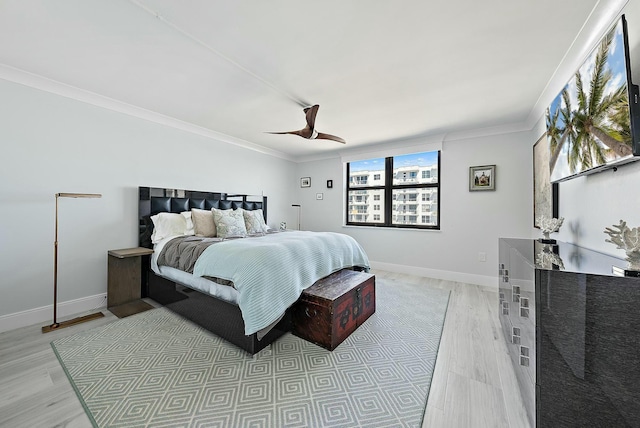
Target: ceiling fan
309	132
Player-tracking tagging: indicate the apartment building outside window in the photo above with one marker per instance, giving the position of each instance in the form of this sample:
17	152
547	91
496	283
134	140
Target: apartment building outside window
404	188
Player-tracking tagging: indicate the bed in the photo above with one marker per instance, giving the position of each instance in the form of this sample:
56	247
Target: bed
219	285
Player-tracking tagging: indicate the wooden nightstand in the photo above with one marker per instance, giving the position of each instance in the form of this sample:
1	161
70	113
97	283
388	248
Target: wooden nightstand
124	271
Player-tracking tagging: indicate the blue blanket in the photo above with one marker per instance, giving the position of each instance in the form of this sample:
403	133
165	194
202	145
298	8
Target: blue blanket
271	271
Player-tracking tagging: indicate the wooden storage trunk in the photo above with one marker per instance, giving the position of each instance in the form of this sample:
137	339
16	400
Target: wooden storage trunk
333	308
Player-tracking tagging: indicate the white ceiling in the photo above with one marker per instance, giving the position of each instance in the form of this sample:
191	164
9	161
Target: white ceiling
380	70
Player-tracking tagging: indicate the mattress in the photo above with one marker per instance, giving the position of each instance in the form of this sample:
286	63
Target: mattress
199	283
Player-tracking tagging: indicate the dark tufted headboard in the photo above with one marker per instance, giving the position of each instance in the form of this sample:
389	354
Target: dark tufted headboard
153	200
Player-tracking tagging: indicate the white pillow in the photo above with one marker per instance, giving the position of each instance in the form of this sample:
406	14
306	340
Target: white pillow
254	222
229	223
166	225
190	228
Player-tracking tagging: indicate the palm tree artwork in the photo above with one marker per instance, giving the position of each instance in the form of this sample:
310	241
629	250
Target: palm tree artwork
588	124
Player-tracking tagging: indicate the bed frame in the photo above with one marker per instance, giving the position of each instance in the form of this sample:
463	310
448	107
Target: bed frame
218	316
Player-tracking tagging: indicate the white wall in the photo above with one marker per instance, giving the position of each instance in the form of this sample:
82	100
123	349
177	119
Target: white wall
591	203
54	144
471	222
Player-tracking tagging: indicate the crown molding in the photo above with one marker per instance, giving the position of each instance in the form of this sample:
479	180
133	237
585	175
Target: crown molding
41	83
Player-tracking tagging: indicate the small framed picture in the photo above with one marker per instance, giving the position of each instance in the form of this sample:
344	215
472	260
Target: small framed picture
482	178
329	184
305	182
319	196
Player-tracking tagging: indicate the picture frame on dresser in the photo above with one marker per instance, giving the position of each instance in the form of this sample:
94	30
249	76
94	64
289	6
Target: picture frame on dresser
545	193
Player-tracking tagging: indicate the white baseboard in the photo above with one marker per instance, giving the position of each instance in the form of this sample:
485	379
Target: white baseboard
44	314
484	281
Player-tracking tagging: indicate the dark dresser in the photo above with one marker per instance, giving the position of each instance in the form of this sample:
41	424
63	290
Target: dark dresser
572	329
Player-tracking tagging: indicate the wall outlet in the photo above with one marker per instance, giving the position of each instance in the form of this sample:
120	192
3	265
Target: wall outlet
482	257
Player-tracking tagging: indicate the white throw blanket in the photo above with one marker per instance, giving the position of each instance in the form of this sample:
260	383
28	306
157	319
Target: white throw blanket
271	271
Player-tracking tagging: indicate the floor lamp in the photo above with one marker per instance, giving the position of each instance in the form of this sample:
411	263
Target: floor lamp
297	206
58	325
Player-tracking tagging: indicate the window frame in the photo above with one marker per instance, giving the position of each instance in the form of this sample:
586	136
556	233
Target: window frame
388	187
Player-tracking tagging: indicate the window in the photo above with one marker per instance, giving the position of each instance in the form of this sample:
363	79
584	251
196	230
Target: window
404	188
359	180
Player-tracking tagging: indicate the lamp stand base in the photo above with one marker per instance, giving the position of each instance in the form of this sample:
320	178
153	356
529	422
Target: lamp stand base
69	323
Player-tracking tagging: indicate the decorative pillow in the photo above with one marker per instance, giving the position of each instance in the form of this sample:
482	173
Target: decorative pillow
166	225
229	223
254	221
203	223
190	230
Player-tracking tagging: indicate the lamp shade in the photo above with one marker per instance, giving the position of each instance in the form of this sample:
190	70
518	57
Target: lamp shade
78	195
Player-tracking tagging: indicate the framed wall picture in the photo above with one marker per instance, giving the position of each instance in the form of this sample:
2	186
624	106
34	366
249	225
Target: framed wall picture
482	178
319	196
305	182
545	193
329	184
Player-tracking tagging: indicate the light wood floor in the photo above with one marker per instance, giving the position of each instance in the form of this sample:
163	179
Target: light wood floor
473	383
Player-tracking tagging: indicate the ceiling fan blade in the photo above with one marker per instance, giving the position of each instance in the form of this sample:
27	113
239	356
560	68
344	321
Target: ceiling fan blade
304	133
286	132
324	136
311	113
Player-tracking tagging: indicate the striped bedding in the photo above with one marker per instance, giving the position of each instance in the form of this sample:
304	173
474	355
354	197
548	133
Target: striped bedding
271	271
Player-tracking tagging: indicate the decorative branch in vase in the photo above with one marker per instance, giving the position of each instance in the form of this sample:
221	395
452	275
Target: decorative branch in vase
628	240
549	225
547	259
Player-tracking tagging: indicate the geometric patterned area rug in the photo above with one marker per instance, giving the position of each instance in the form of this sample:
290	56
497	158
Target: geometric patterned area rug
156	369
